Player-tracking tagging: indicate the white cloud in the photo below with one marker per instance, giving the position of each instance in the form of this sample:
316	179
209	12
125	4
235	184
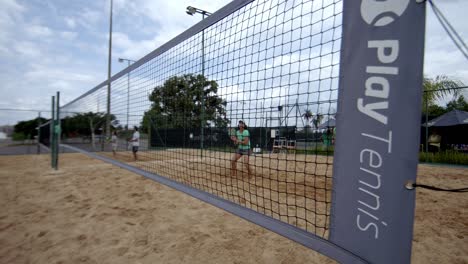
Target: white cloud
89	19
44	72
10	15
9	12
68	35
123	46
71	23
4	50
442	57
27	49
38	31
121	40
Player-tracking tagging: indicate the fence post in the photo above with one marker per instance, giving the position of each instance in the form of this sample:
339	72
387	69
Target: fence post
57	130
427	126
52	134
39	133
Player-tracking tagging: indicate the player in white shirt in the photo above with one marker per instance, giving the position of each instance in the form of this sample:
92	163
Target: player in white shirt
114	142
135	142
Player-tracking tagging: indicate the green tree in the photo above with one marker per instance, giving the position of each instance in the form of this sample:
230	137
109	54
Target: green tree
437	88
178	103
27	129
312	118
317	120
459	103
308	115
436	110
88	124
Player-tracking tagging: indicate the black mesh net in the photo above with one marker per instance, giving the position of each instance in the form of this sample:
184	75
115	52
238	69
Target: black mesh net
272	64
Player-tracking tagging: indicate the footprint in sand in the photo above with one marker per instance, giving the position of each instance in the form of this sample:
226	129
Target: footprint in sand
42	233
252	233
84	259
142	241
122	250
70	198
135	195
3	228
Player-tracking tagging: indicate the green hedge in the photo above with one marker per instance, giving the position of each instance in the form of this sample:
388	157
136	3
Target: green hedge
19	136
448	157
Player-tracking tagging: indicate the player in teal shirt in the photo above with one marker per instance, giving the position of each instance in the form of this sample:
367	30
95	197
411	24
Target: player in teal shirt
242	140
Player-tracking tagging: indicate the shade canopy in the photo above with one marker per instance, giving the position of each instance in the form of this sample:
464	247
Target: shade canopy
452	118
329	123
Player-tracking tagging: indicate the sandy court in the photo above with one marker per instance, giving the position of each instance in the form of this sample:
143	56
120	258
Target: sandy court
292	188
93	212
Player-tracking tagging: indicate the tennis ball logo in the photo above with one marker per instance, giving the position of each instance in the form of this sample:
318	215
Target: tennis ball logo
382	12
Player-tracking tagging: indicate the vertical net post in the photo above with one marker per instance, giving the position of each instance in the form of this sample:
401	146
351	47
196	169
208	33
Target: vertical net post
378	135
52	134
426	145
57	130
39	133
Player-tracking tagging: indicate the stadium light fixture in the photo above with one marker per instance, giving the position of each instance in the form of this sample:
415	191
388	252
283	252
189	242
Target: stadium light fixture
192	10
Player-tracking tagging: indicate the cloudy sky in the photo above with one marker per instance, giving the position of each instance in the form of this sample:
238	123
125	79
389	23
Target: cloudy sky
59	45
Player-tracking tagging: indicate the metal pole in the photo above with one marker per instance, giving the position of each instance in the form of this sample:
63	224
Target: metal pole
427	125
57	131
109	78
203	93
128	93
191	11
52	135
39	133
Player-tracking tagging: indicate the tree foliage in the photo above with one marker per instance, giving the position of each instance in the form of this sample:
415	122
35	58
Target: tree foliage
178	103
28	128
437	88
459	103
85	123
312	118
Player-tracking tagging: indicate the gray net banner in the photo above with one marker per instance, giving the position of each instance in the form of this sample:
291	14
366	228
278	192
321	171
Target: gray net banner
378	123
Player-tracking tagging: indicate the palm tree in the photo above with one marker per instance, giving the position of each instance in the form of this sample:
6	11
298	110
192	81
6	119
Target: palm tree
438	88
311	118
317	120
308	115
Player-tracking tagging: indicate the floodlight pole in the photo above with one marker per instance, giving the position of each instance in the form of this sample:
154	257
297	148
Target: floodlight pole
109	78
191	11
128	87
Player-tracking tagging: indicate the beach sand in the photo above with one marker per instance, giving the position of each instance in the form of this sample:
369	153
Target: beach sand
93	212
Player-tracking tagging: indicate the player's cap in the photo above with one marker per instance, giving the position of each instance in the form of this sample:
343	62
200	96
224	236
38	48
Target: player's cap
240	121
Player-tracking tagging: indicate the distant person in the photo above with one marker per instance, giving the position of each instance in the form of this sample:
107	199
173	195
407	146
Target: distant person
242	140
135	142
114	142
334	136
434	141
327	138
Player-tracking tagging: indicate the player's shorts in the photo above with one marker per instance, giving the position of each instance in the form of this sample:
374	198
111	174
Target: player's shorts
114	147
135	149
243	152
